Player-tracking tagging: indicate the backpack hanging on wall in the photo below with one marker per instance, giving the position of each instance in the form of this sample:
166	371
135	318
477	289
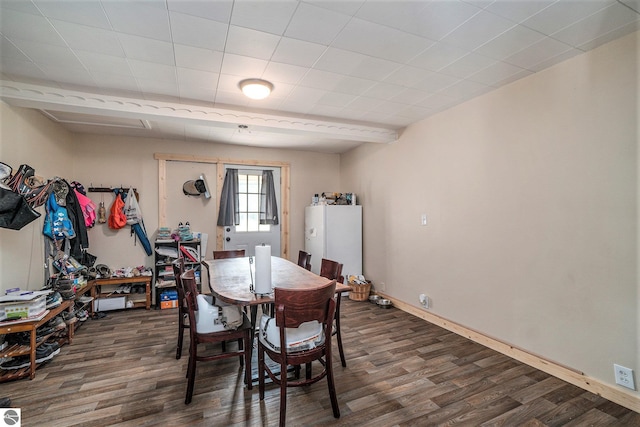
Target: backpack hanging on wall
117	218
57	225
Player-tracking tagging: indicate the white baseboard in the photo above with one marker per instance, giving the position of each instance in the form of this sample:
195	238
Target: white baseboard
622	397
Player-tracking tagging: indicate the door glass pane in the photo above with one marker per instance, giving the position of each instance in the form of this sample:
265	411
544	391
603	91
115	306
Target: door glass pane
249	202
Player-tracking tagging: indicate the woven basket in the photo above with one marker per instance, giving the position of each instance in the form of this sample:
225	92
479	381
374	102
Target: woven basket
359	292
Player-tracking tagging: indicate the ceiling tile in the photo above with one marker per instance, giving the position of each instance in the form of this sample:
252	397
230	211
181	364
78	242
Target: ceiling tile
439	18
151	71
144	49
315	24
242	65
197	58
271	17
248	42
336	99
285	73
306	95
44	54
198	32
297	52
517	11
437	101
325	110
537	53
66	76
379	41
9	51
467	65
197	78
189	93
434	82
229	83
105	63
321	79
495	73
463	89
562	14
152	87
347	7
90	39
364	103
556	59
125	17
19	6
20	68
478	30
406	76
24	26
353	85
383	91
610	36
438	56
218	10
87	13
596	25
410	96
511	41
122	82
339	61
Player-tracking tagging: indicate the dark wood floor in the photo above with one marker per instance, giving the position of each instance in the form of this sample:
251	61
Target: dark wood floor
402	371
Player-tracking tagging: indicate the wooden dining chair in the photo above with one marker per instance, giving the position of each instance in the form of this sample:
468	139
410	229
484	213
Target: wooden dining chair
304	260
183	314
242	335
333	270
296	308
236	253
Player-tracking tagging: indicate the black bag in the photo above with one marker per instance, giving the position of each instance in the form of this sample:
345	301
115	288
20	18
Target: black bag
15	212
88	259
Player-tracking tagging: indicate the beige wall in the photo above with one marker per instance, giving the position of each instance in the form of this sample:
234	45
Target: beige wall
115	161
531	196
28	137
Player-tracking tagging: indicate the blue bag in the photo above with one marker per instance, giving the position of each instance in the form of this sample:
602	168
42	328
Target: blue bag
57	225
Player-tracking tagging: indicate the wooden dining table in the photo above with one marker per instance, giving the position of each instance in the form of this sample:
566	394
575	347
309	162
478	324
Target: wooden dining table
231	280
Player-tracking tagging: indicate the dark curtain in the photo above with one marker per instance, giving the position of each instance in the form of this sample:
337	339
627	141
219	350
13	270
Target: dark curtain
229	210
268	204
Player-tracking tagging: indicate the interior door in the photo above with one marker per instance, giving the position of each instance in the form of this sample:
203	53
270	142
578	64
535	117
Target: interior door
249	233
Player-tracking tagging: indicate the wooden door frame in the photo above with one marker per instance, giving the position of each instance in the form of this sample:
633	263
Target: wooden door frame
163	158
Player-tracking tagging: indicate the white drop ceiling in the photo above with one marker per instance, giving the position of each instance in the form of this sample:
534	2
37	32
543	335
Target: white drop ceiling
345	72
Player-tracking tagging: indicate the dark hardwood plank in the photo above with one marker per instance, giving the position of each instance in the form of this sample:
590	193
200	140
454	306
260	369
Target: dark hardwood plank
121	371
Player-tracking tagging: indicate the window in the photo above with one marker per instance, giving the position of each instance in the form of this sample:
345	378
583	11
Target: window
249	185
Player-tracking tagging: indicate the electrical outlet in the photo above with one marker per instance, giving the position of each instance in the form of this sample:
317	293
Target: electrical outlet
624	376
424	300
383	287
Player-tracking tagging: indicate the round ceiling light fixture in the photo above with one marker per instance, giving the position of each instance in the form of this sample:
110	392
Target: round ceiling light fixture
256	88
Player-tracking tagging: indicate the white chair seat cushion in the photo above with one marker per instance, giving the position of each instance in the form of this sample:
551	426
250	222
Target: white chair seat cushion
307	336
212	317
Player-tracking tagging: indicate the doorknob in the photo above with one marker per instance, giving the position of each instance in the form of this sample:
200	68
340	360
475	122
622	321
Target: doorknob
228	229
228	239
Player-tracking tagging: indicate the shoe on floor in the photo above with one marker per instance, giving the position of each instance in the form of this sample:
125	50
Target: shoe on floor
16	363
46	351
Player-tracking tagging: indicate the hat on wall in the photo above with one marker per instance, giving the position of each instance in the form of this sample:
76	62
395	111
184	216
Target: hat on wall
196	187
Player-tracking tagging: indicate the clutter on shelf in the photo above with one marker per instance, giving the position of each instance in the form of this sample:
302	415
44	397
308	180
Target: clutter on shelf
332	198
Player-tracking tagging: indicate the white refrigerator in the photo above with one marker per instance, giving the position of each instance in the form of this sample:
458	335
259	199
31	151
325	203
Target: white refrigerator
334	232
